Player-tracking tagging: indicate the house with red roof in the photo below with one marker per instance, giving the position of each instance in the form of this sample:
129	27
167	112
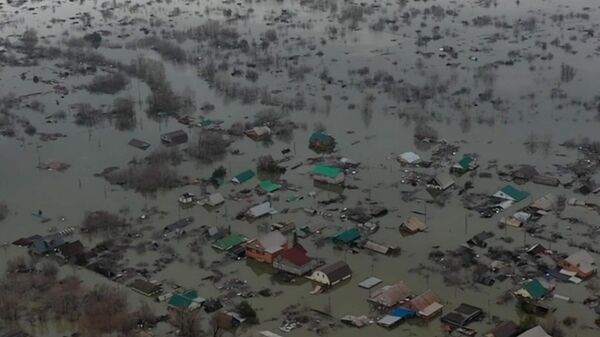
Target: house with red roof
295	261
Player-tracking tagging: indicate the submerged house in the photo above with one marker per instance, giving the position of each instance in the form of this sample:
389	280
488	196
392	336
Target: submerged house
243	177
295	261
413	225
187	301
267	248
321	142
174	138
146	288
47	244
258	132
332	274
390	295
260	210
536	331
534	289
462	315
504	329
441	181
426	305
348	236
73	252
581	263
511	193
466	164
328	174
229	242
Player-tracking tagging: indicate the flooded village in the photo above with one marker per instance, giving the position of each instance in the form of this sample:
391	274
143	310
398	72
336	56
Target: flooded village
270	168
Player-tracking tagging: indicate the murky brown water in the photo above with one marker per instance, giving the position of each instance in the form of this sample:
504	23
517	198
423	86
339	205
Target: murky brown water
527	111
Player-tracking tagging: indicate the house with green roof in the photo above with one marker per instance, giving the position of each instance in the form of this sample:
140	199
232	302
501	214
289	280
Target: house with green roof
230	241
347	236
466	164
243	177
328	174
533	289
187	301
321	142
511	193
268	186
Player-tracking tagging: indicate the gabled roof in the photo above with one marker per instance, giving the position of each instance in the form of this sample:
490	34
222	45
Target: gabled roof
422	301
504	329
327	171
296	256
243	177
537	331
466	163
414	224
322	138
348	236
512	193
273	241
535	289
390	295
188	300
261	209
583	260
269	186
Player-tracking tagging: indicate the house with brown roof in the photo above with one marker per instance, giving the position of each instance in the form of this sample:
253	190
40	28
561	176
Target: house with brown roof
504	329
295	261
581	263
332	274
390	295
413	225
267	248
426	305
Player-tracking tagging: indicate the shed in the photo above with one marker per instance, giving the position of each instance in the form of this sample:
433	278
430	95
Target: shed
369	282
258	132
441	181
546	180
260	210
179	224
174	137
146	288
409	158
230	241
213	200
413	225
243	177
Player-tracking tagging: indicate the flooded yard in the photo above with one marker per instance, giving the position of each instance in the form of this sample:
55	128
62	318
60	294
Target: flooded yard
354	117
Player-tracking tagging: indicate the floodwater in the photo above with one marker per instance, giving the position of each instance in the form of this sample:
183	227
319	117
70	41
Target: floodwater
512	57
